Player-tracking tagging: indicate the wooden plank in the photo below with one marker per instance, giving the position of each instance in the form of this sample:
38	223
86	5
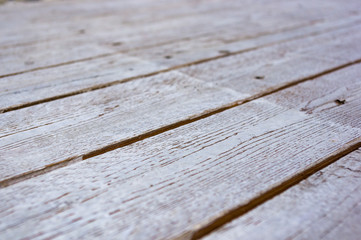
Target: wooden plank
64	19
325	104
34	127
52	53
323	206
103	35
50	83
20	90
275	66
176	182
64	130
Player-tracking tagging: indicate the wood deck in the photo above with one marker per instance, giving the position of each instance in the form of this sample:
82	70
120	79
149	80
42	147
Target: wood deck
186	119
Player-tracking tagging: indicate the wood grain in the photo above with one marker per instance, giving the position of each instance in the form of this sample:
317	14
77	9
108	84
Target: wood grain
278	65
228	26
340	88
324	206
40	136
103	34
23	130
174	183
235	71
167	119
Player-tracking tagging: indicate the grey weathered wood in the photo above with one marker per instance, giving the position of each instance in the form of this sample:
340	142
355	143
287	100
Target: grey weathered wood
323	206
341	88
275	66
225	28
171	176
48	83
29	127
134	13
176	182
42	135
236	71
66	22
43	53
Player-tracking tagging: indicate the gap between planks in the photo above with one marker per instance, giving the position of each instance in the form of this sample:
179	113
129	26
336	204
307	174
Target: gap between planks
220	221
200	61
24	176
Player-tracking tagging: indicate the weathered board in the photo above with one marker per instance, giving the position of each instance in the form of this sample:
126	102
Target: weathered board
37	137
176	183
52	83
60	131
55	121
51	52
184	51
278	65
180	119
326	205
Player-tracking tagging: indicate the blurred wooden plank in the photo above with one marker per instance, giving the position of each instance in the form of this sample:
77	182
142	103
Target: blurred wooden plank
177	182
326	205
66	130
99	39
96	17
236	71
241	23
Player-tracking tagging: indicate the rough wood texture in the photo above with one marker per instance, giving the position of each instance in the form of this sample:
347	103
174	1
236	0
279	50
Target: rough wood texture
57	121
326	205
278	65
42	135
341	88
206	41
174	183
145	119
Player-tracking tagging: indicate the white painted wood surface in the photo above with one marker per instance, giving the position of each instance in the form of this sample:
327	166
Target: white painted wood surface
176	182
79	76
42	135
278	65
323	206
166	119
67	129
339	100
104	34
183	50
31	87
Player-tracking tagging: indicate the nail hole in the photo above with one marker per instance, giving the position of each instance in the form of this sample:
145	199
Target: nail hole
340	101
168	57
259	77
81	31
116	44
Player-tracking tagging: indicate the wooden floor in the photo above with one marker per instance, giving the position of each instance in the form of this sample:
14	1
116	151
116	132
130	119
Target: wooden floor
169	119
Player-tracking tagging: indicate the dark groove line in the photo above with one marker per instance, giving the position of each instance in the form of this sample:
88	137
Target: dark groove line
38	172
104	85
277	190
111	147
